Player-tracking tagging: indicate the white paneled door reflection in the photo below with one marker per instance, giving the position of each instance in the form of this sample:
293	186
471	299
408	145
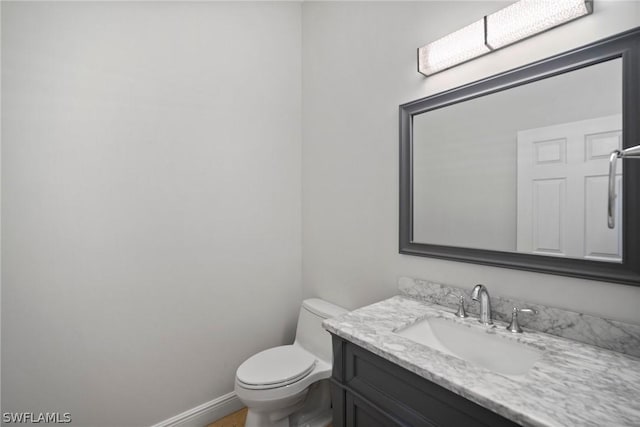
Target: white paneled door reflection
562	190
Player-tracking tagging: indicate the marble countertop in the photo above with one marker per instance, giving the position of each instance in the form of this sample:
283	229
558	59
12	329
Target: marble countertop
574	384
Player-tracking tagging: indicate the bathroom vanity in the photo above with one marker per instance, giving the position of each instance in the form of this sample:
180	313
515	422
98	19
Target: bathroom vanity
384	374
370	391
517	171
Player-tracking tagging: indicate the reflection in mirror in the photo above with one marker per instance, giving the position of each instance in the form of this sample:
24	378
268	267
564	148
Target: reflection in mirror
523	170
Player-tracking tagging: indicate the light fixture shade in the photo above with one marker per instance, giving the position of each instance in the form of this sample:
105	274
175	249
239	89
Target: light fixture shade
528	17
504	27
455	48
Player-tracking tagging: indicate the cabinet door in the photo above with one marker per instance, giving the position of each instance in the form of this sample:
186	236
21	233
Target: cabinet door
361	414
371	391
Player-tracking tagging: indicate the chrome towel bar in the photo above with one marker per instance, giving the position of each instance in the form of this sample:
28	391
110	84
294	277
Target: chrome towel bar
627	153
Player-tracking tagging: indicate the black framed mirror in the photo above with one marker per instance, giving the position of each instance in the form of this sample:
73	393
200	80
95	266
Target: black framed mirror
512	170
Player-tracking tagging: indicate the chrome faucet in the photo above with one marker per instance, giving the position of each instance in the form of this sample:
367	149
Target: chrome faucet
480	293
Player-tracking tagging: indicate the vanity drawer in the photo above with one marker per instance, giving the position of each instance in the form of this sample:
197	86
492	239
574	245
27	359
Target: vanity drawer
360	413
400	395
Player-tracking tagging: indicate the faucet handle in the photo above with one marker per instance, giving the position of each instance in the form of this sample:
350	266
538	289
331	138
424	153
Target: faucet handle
461	311
514	326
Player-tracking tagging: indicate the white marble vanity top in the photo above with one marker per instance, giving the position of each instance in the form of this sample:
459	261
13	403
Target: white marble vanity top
574	384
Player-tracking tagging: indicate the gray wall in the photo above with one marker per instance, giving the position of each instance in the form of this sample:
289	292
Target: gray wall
359	64
151	202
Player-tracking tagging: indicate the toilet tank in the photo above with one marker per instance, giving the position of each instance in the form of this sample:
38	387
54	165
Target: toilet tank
310	334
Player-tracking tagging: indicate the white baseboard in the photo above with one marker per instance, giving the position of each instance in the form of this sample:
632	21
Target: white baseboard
205	414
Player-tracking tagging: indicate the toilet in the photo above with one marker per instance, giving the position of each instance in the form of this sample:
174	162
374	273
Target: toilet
288	386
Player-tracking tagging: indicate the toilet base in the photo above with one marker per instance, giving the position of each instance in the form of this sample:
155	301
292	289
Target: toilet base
312	410
317	408
255	419
319	420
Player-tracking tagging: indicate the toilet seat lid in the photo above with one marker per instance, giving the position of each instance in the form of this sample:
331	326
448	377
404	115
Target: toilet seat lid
276	367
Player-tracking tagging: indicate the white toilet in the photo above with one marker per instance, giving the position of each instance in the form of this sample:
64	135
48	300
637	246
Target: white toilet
288	386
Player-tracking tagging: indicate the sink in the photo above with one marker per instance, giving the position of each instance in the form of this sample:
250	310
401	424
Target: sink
473	344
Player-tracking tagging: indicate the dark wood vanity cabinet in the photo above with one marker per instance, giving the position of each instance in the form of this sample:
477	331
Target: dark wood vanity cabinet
369	391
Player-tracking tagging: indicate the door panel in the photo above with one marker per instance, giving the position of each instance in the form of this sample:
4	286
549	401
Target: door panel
562	195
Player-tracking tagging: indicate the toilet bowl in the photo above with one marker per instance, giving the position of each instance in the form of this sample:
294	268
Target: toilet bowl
288	386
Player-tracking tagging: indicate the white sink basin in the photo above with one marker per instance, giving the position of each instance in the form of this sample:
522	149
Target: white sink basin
475	345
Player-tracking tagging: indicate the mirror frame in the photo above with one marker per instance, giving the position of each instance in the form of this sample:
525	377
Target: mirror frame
626	46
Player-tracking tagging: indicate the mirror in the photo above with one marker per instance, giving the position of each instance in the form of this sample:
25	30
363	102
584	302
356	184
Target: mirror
513	170
523	162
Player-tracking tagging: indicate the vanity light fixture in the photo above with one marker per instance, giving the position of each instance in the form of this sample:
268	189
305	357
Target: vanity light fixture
516	22
452	49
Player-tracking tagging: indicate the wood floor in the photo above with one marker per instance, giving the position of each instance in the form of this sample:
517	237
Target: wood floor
234	420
